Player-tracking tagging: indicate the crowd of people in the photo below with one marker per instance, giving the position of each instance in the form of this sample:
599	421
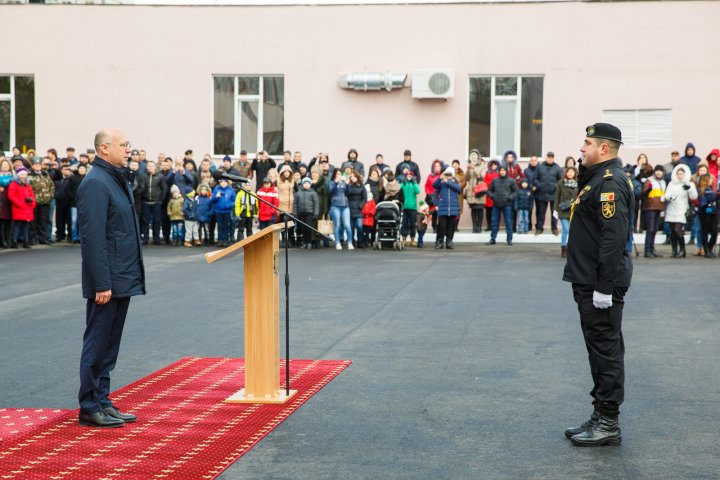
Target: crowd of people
182	202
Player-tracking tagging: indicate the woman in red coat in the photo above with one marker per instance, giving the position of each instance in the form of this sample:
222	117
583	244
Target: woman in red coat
22	200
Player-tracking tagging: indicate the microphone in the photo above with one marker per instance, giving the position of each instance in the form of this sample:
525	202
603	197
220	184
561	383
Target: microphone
219	174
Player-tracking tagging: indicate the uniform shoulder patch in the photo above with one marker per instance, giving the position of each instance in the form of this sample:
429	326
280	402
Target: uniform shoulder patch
607	197
608	209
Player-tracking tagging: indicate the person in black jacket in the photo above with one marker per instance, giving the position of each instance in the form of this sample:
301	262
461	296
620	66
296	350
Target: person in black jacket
64	200
546	178
409	163
112	272
600	269
153	190
503	191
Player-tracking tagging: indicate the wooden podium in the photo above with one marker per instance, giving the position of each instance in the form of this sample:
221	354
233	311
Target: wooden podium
262	316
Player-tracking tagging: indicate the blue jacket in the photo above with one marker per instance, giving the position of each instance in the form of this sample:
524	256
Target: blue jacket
524	199
190	209
545	181
690	160
708	201
338	194
225	203
205	209
109	233
448	201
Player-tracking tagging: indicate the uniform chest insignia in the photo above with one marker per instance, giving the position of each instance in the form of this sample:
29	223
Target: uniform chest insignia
577	200
608	174
608	209
607	197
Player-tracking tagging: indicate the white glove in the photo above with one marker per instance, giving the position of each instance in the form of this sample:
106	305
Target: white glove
600	300
555	215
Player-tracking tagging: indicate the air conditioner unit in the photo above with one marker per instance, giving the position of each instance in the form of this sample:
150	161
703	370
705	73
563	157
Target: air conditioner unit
433	83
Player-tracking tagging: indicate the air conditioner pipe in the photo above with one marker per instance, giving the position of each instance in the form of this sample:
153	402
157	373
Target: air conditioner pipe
372	81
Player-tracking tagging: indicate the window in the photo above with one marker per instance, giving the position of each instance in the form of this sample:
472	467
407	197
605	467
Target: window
248	114
642	128
17	112
506	113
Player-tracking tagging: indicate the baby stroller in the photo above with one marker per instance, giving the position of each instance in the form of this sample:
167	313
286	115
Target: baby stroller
388	218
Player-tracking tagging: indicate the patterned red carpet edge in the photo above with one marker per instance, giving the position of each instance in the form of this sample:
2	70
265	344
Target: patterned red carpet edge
184	430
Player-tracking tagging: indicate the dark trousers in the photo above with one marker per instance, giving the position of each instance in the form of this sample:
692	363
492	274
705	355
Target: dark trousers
165	222
488	217
446	228
5	233
409	221
38	230
63	221
21	231
151	214
244	227
224	221
708	229
507	213
305	233
602	331
651	219
541	210
476	215
101	344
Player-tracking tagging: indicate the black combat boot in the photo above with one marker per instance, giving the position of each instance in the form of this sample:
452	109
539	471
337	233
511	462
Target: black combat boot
585	426
605	431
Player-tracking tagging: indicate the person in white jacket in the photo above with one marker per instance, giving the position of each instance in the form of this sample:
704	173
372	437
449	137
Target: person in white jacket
677	197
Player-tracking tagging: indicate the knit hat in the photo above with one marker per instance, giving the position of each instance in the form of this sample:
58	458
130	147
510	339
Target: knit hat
407	153
21	169
449	171
189	192
306	180
267	180
227	157
174	189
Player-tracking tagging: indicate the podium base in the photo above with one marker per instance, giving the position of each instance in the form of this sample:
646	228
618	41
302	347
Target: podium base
240	397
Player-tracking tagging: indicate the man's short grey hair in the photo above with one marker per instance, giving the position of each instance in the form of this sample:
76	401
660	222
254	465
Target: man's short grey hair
103	136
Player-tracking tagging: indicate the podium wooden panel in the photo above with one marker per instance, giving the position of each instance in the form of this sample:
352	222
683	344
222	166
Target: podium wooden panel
262	316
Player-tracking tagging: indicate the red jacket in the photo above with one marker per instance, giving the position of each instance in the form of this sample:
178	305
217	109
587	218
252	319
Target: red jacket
368	212
713	166
515	172
21	209
266	212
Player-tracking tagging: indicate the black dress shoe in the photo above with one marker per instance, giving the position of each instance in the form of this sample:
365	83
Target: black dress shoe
115	413
100	419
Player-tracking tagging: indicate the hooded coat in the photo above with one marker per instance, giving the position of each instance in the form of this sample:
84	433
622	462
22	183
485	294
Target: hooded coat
514	170
356	164
18	194
690	160
713	164
448	202
677	198
474	175
286	189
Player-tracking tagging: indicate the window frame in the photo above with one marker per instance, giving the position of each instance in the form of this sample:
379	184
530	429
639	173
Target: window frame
493	153
11	98
237	98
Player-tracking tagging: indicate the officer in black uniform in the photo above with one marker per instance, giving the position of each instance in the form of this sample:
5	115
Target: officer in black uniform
600	268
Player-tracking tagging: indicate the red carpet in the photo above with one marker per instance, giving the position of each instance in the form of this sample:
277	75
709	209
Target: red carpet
184	430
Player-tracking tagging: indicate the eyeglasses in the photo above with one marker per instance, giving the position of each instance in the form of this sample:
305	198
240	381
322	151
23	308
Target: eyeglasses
123	145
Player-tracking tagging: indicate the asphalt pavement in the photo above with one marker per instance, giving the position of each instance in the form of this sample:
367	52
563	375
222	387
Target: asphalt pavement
467	364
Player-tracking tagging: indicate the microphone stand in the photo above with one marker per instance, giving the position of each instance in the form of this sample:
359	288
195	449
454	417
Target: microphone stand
286	217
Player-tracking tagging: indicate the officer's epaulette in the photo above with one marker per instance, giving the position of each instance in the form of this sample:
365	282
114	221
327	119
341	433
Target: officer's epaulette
608	174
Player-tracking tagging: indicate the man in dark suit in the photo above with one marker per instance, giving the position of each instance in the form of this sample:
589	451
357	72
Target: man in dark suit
112	272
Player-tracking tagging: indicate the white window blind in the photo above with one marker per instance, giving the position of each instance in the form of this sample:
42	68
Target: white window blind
642	128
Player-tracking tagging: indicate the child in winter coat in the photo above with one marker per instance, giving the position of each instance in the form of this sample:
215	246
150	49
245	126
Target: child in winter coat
423	213
245	210
190	211
266	213
205	211
307	208
175	213
523	204
223	199
368	213
410	190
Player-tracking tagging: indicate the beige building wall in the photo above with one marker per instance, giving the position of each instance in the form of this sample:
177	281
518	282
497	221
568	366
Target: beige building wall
149	70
